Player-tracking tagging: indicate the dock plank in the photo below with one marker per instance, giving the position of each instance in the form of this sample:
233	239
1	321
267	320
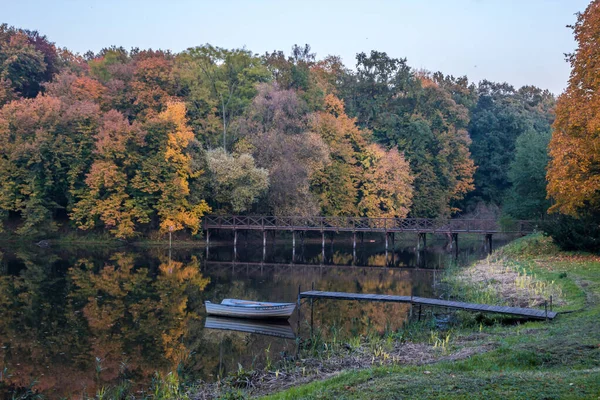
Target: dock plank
517	311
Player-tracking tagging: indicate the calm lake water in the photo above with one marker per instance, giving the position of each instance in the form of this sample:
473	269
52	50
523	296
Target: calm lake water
75	319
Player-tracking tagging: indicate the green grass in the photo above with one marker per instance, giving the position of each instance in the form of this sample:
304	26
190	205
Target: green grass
533	360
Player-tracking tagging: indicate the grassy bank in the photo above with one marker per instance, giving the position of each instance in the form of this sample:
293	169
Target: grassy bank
521	360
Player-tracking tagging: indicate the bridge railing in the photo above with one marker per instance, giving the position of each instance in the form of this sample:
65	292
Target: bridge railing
358	224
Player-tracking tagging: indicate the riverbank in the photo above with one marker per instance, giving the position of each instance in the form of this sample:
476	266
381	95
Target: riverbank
503	358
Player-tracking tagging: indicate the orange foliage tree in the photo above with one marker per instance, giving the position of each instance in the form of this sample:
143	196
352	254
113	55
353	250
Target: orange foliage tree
574	169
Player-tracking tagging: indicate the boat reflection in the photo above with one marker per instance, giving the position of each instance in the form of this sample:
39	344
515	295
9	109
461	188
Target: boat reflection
280	329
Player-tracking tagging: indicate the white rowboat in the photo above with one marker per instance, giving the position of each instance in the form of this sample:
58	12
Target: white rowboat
250	309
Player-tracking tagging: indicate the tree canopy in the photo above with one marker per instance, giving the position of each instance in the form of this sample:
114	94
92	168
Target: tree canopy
138	141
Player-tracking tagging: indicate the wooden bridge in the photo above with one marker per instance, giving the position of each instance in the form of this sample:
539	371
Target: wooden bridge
423	301
361	225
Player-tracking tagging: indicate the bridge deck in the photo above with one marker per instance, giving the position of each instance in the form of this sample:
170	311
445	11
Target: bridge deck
360	224
516	311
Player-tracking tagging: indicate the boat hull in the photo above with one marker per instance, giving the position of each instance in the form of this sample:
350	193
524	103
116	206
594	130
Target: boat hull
277	310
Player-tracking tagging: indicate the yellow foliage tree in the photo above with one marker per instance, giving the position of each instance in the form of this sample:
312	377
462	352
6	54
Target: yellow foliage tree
175	210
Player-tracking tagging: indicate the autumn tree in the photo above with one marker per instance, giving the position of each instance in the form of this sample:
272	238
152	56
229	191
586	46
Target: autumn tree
336	185
386	186
362	179
27	60
276	126
153	84
142	175
44	156
110	197
574	170
167	169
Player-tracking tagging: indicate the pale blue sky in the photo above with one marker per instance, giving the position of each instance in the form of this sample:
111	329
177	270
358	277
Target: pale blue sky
517	41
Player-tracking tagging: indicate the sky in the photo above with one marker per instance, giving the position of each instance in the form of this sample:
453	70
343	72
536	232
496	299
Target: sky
521	42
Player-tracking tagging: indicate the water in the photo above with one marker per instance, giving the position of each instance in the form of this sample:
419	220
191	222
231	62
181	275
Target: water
75	319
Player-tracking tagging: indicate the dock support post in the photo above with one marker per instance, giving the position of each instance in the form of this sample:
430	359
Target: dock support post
550	302
299	311
419	312
312	287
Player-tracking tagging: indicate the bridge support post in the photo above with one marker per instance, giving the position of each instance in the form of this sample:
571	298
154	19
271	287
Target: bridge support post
264	239
354	240
488	242
422	240
386	241
293	247
235	237
455	244
322	247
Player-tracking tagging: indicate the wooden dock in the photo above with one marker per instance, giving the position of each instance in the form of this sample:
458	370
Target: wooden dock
515	311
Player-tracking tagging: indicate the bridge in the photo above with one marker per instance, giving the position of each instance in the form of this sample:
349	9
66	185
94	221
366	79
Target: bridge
361	225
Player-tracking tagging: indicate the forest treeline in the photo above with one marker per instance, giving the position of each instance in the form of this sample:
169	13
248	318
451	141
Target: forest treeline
147	140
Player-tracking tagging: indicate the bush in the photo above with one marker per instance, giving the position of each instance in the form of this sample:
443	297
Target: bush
579	234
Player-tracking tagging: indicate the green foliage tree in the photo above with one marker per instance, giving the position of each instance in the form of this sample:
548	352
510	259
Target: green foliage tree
218	84
235	182
527	198
501	115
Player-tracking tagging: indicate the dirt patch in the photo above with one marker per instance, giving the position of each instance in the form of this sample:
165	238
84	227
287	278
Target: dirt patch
503	281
